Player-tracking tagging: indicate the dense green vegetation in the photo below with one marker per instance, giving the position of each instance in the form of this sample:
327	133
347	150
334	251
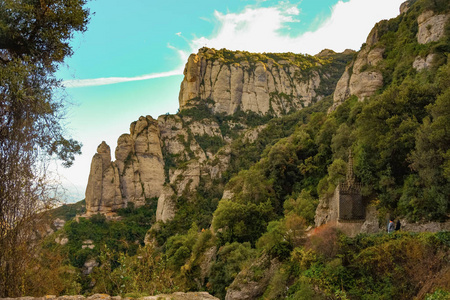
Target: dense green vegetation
366	267
400	140
68	211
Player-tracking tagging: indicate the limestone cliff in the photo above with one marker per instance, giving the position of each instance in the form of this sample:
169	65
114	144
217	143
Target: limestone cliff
164	158
262	83
361	78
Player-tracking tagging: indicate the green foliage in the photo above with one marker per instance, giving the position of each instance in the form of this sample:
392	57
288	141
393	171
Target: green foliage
67	212
192	207
234	221
438	295
210	143
367	266
119	236
244	154
230	261
282	236
122	274
304	205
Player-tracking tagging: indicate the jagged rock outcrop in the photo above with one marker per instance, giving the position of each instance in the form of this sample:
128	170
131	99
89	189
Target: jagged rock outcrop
232	81
404	7
361	78
136	175
139	172
103	194
421	63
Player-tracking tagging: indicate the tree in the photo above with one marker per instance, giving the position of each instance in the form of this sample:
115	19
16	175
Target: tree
34	39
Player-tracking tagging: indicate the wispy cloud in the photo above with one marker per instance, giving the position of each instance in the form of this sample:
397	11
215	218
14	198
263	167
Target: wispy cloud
259	29
112	80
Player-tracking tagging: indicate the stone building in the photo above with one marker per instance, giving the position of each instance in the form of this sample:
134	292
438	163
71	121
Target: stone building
348	198
346	208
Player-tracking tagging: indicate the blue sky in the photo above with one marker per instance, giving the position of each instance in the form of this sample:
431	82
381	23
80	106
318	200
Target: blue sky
130	60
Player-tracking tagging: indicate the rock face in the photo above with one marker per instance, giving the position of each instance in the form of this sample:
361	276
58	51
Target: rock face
159	160
232	81
404	7
361	78
431	27
102	192
421	63
140	173
136	175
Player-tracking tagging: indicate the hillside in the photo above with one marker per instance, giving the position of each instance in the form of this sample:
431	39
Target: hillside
236	193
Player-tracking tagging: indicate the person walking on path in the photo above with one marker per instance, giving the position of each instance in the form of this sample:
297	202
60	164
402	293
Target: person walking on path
391	226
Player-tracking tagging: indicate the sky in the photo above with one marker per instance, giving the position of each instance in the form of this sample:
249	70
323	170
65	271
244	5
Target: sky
129	63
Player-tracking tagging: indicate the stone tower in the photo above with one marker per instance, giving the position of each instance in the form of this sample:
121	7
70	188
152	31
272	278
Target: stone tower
350	204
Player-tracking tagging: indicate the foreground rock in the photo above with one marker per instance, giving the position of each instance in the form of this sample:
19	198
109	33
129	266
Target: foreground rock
173	296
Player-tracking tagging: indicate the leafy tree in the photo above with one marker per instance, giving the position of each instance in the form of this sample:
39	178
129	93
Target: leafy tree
230	261
304	205
241	222
34	39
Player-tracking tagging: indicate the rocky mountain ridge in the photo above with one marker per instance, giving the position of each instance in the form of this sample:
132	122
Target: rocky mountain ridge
262	83
160	159
363	76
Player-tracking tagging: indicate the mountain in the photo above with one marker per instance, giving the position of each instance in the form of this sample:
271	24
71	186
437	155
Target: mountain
266	182
224	96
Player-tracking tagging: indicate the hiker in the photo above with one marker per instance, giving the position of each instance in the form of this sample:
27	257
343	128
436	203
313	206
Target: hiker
391	226
398	225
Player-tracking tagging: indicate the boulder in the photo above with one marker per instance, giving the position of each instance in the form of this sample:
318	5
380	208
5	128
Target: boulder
421	63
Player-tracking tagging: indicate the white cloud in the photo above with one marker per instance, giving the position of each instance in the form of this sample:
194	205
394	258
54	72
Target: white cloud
183	55
112	80
259	29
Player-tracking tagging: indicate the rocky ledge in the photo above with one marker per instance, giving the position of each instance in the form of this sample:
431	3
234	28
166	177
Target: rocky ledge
173	296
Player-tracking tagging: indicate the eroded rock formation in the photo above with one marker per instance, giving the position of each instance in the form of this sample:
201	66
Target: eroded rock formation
361	78
136	175
431	27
